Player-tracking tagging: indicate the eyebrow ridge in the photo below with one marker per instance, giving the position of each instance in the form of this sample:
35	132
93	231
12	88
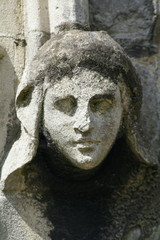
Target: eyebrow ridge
64	97
104	96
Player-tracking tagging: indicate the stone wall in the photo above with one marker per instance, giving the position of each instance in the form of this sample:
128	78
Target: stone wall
12	59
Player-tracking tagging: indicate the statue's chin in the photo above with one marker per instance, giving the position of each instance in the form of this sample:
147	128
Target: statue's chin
85	163
70	164
87	159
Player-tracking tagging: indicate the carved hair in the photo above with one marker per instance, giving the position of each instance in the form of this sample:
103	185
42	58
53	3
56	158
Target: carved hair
60	56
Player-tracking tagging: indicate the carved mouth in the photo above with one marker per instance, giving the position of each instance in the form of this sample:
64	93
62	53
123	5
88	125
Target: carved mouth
84	149
86	141
85	145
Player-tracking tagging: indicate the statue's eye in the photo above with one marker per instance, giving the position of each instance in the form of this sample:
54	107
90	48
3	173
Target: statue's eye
101	105
66	105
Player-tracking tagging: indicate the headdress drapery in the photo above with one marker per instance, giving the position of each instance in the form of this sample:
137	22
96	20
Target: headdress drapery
58	57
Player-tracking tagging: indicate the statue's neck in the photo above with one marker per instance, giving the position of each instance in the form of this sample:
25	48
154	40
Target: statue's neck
56	173
59	164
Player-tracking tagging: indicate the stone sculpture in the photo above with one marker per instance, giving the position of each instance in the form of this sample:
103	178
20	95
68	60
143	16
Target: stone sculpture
85	83
78	105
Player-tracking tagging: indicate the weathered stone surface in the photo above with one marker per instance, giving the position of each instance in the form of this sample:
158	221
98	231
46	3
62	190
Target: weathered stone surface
84	121
14	209
134	234
36	26
7	95
12	19
136	26
117	201
11	67
130	23
67	55
73	11
121	200
149	124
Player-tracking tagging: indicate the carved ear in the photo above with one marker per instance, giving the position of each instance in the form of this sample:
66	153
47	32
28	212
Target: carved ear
28	105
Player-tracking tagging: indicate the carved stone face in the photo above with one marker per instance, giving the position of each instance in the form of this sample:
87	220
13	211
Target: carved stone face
83	114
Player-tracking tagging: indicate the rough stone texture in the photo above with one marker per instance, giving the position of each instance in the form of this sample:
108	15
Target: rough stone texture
13	225
149	124
136	25
74	11
97	208
7	92
65	53
36	26
131	23
11	65
85	125
118	201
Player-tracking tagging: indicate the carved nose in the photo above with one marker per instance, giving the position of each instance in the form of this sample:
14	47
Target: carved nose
83	124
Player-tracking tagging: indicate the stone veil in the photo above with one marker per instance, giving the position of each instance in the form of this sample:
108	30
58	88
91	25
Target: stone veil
101	202
57	58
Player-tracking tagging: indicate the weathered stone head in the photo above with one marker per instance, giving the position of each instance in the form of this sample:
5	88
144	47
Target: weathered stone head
81	91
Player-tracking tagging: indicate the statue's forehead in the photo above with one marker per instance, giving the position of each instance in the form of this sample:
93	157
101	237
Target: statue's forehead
84	81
